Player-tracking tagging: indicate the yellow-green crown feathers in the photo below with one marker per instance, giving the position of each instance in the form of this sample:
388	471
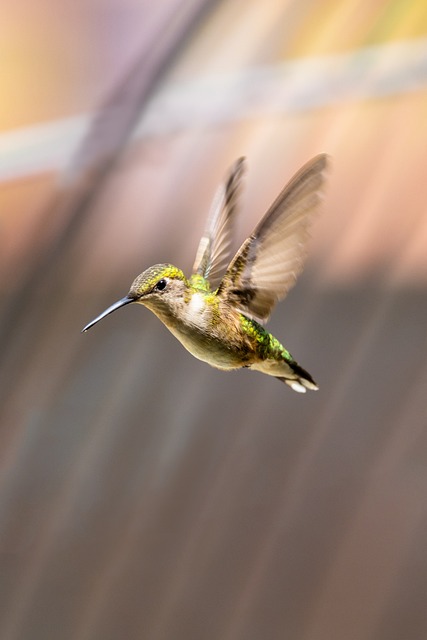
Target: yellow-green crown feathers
147	280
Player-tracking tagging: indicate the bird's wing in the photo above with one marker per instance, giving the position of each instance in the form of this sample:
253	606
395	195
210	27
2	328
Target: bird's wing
213	252
267	264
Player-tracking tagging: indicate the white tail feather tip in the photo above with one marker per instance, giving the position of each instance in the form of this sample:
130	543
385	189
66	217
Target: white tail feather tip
296	386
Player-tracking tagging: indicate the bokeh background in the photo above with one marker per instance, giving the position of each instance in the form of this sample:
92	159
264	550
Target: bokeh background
142	493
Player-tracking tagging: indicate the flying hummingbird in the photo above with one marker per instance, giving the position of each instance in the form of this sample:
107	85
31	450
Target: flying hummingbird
219	312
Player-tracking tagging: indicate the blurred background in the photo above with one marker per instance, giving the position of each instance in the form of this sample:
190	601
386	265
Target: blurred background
142	493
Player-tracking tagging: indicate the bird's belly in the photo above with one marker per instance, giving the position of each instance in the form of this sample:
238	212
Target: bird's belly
210	349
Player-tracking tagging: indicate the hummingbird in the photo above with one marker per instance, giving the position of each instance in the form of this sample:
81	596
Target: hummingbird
219	312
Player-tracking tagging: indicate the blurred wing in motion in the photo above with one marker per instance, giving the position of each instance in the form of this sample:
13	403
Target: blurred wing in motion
267	264
213	253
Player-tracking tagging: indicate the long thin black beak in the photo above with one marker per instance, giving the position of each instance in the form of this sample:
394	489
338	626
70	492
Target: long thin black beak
116	305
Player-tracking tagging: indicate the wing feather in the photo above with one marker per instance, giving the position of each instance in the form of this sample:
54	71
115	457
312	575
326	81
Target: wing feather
267	264
213	252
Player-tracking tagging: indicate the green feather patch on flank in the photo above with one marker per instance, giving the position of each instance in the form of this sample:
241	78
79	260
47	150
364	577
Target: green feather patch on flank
277	346
269	345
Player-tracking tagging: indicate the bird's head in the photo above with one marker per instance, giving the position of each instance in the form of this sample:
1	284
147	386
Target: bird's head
159	287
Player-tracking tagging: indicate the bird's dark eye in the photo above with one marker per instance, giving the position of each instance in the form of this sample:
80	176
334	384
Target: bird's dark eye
161	285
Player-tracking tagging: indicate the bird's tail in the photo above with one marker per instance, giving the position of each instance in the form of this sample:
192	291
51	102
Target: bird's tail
301	381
